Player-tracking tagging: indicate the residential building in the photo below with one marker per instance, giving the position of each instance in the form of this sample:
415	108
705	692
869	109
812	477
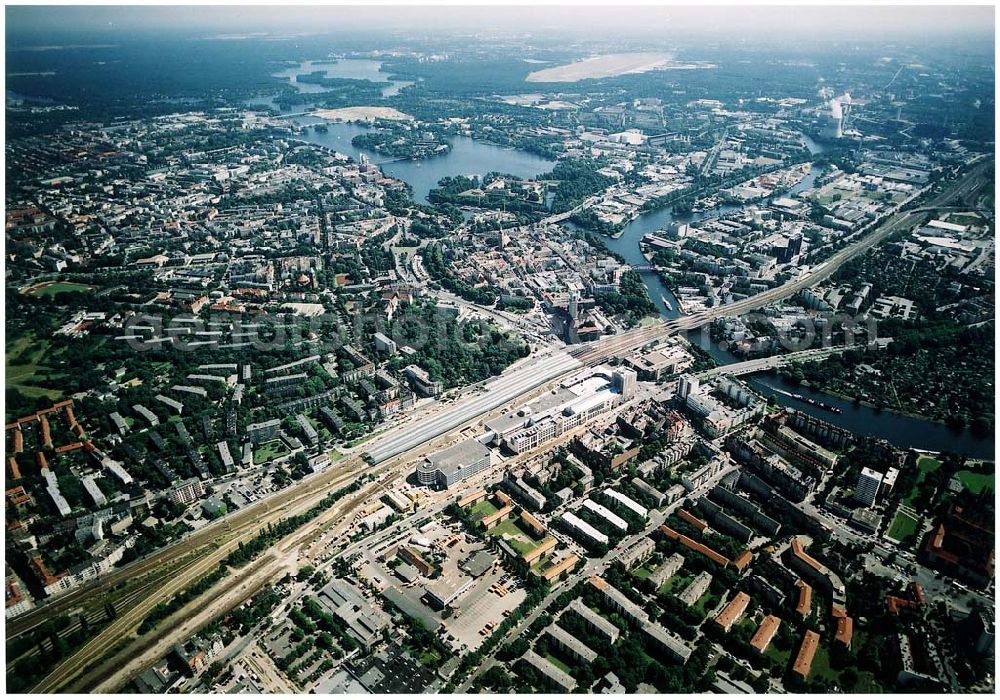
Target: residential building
867	489
187	491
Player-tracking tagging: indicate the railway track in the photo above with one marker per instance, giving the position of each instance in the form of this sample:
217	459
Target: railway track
181	564
90	654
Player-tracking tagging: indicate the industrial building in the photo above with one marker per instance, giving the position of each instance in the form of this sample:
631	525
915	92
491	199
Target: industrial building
363	621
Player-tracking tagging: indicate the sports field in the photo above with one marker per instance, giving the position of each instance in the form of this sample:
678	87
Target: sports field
50	289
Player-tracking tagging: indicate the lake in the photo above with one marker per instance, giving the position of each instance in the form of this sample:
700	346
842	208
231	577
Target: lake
355	68
466	157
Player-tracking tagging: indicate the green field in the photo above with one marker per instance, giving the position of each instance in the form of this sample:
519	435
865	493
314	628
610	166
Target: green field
642	573
542	564
268	451
976	482
821	669
27	369
705	604
515	536
925	464
675	584
558	663
482	509
903	525
773	652
50	290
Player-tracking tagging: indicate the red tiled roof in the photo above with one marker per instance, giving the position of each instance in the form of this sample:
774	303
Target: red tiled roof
695	546
733	610
845	630
691	519
804	605
565	565
762	637
804	659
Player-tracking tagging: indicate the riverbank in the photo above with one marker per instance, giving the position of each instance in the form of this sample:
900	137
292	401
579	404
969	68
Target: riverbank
866	404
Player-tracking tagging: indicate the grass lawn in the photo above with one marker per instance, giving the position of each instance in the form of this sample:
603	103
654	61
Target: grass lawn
559	663
704	604
642	573
482	509
821	665
428	657
675	584
268	451
50	290
976	482
821	669
361	439
749	623
925	464
866	681
773	652
514	535
541	564
26	368
903	525
964	220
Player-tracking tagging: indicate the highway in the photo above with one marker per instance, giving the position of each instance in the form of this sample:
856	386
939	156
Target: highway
969	183
156	578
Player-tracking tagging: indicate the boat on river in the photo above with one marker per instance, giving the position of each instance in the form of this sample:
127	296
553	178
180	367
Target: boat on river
810	401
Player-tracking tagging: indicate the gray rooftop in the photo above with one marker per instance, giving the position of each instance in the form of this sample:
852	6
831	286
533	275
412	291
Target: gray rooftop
457	456
578	648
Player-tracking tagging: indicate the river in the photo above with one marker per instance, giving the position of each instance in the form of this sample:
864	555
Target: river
900	430
469	157
627	245
904	431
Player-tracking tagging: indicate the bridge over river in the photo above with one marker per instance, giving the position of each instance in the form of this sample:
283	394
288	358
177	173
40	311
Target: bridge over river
765	363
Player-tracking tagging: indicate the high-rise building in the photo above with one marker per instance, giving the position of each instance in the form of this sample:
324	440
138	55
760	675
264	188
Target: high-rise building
384	344
574	305
866	490
686	385
624	380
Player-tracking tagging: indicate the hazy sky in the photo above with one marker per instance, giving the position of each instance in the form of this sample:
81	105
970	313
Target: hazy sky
891	22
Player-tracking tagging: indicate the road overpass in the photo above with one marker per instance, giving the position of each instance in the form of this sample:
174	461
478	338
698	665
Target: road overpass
765	363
